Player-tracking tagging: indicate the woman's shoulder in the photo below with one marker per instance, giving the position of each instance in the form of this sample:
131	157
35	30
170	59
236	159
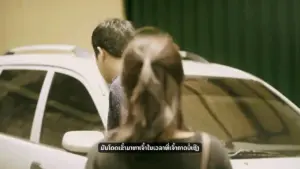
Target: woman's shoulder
97	160
218	156
198	136
214	143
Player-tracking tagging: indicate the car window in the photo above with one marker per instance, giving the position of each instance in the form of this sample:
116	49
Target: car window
239	110
69	107
19	93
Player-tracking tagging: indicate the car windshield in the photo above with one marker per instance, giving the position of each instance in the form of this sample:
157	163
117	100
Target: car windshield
241	112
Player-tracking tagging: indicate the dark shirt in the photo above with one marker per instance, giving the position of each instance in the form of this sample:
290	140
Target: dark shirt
115	97
218	158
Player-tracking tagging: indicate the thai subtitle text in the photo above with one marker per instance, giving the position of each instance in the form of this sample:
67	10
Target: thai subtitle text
150	147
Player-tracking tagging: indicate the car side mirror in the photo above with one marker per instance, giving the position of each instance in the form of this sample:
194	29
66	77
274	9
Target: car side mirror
81	141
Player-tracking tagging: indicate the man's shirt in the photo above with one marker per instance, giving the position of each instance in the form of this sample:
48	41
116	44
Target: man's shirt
116	96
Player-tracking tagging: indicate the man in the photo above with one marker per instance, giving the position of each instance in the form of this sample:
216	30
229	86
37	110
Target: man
109	39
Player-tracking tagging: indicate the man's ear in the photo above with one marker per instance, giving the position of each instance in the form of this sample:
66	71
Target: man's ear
102	54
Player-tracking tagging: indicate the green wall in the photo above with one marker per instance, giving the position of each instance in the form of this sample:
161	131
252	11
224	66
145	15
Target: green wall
258	36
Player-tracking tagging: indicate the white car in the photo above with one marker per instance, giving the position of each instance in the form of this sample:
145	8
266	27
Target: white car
54	107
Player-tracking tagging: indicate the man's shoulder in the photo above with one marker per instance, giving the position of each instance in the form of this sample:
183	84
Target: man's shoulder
116	84
116	87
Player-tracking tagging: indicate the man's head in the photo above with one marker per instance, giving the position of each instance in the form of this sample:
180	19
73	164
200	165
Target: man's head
109	39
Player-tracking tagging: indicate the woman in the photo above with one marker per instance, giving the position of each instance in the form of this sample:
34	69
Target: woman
152	78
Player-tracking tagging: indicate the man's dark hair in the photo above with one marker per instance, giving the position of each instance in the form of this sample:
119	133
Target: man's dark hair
112	35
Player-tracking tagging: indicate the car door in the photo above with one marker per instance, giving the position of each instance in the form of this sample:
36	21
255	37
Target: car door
20	90
32	125
68	106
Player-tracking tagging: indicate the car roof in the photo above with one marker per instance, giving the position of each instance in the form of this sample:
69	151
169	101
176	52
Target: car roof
68	61
192	68
81	64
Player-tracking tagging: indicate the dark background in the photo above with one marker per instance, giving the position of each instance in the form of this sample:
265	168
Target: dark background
257	36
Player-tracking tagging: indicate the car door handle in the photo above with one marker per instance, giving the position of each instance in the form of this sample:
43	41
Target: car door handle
35	165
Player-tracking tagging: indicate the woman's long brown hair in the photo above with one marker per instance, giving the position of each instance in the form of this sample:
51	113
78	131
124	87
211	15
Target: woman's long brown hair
151	78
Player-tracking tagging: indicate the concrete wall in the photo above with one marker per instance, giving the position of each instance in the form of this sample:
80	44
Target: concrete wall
25	22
